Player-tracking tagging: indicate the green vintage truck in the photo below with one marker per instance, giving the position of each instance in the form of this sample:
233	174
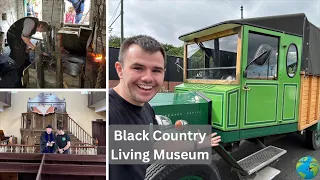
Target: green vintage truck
250	79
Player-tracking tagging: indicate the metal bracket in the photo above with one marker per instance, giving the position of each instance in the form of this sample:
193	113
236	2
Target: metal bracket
248	177
257	141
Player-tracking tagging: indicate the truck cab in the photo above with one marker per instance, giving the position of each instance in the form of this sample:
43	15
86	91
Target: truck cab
251	69
249	79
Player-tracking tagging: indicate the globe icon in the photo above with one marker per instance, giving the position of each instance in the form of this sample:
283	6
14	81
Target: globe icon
307	167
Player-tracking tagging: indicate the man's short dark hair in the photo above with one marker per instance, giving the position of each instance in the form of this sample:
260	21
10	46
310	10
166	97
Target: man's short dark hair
45	26
60	128
147	43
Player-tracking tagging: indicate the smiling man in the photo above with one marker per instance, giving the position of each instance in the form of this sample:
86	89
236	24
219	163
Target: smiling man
141	70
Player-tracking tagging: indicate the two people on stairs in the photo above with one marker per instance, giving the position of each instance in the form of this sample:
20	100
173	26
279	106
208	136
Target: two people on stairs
51	143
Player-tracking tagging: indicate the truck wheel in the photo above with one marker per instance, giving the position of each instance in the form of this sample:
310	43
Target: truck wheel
313	139
182	172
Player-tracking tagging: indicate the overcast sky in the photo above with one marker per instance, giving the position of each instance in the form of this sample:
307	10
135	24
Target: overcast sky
166	20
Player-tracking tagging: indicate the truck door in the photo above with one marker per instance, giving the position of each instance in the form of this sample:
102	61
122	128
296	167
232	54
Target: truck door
290	78
260	86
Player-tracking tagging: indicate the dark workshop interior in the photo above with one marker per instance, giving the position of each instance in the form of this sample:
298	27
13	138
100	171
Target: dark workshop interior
75	50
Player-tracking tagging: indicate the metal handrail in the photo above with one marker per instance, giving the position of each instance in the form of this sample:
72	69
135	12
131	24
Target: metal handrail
40	168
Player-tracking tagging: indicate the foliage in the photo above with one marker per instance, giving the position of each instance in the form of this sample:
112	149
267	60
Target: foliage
197	59
114	41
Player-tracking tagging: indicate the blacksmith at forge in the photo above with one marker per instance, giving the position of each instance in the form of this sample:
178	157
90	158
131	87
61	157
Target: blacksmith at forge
47	141
18	37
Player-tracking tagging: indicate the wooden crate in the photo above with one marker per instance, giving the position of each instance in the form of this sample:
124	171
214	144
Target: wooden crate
309	113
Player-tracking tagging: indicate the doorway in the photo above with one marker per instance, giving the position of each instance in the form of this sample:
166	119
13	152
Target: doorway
34	7
99	132
70	12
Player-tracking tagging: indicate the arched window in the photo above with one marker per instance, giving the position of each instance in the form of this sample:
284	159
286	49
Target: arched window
292	60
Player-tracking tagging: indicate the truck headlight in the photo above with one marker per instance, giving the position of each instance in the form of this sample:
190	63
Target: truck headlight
163	120
179	124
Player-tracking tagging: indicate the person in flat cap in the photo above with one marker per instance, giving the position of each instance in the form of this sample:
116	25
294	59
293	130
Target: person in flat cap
47	141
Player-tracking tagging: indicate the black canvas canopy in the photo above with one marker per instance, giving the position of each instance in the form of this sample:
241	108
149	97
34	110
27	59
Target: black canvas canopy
294	24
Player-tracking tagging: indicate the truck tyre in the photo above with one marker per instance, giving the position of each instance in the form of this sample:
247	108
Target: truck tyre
313	139
183	172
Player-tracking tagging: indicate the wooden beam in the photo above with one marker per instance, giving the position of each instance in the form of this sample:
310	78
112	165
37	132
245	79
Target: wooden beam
19	167
302	105
239	53
185	62
76	158
309	115
53	157
317	99
26	75
216	35
65	85
9	176
82	73
39	68
21	156
57	169
40	168
59	72
75	170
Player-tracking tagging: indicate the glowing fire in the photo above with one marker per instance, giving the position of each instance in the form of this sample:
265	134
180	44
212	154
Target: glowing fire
98	58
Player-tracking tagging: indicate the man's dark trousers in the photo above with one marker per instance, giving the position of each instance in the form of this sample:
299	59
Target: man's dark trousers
19	54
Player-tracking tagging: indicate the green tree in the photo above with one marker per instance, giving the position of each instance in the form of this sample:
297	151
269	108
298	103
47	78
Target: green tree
197	59
167	47
175	51
114	41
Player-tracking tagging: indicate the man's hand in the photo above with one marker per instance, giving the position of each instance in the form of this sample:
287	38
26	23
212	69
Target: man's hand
60	151
33	48
215	140
64	51
45	54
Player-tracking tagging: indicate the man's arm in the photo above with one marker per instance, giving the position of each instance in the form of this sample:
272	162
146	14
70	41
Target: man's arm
27	28
28	42
42	140
68	143
67	146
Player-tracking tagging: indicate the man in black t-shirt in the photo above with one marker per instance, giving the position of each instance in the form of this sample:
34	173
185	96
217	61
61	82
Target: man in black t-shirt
141	69
63	141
